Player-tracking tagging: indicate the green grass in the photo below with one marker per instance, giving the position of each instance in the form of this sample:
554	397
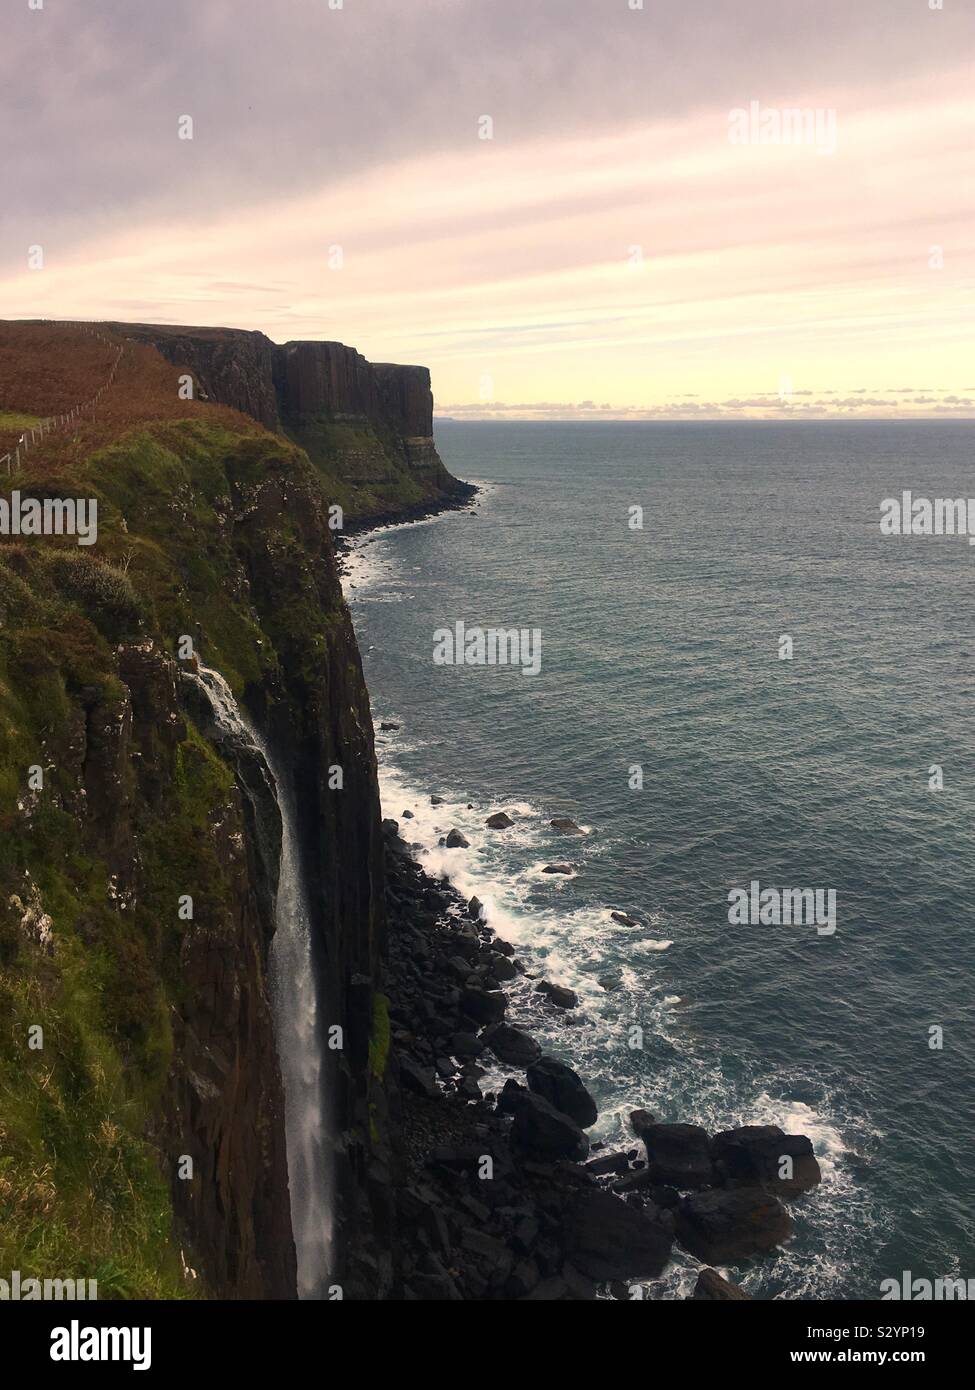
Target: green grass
14	420
201	532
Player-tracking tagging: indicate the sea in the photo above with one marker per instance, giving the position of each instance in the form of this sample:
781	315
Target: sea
742	680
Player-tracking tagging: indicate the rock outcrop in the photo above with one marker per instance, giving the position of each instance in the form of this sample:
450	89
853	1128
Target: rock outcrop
367	426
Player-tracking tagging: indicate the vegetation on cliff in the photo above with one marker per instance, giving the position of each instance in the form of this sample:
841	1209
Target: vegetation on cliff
91	945
157	1038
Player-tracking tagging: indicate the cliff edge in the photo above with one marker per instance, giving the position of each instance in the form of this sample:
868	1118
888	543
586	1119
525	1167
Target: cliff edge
367	427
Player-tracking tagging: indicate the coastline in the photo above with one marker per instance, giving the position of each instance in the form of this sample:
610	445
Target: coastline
458	499
558	1217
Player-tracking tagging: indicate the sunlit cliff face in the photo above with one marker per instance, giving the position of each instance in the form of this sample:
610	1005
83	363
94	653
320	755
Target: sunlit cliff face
594	212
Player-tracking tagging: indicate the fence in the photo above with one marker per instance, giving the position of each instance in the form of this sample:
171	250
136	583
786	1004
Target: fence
34	435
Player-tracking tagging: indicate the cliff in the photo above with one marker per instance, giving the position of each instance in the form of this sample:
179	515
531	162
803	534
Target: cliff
118	809
368	428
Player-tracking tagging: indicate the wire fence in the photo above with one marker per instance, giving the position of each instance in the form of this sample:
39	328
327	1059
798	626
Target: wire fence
35	433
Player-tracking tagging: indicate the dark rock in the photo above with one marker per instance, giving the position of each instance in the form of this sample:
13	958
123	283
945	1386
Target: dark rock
606	1164
565	826
522	1279
390	828
436	801
499	821
475	909
712	1288
501	968
525	1235
625	919
387	725
407	815
667	1198
511	1045
485	1006
466	943
611	981
551	1290
455	840
752	1156
503	948
641	1120
637	1180
538	1128
580	1288
466	1045
558	869
561	1086
417	1079
678	1155
510	1097
723	1226
607	1239
558	995
459	968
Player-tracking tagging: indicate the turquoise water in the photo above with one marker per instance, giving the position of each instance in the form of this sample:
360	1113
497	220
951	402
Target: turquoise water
660	648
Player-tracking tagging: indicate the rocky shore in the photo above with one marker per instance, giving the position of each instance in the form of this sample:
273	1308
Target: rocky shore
499	1194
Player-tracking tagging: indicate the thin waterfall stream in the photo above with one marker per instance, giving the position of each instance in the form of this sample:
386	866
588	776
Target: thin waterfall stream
293	992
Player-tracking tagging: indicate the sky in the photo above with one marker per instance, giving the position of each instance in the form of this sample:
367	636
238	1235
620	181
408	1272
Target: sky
567	209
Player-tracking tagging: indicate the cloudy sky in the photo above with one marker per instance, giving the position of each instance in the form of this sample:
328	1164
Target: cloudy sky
621	245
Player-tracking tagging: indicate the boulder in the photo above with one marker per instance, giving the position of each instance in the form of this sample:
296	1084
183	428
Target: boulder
436	801
511	1045
558	995
455	840
565	826
390	828
558	869
606	1238
544	1132
625	919
459	968
726	1225
641	1120
678	1155
419	1080
503	968
407	815
499	821
561	1086
466	1045
484	1006
475	909
759	1156
387	726
712	1288
607	1164
511	1095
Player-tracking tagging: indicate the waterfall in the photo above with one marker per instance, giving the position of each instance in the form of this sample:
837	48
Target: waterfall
293	992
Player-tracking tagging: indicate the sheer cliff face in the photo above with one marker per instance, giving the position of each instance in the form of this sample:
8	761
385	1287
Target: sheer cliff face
222	537
367	427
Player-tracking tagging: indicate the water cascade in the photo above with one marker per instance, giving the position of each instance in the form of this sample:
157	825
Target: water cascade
293	992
